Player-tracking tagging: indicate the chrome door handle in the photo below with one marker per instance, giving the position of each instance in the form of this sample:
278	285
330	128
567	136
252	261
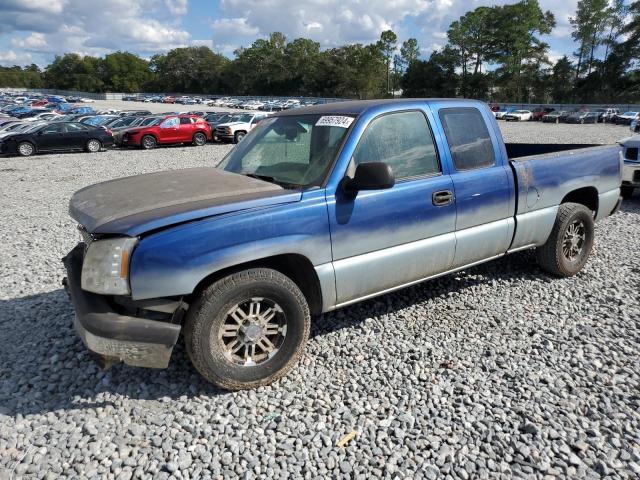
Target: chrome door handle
442	198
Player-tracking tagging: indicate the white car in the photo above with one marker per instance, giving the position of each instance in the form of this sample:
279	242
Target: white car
518	116
87	100
236	130
46	116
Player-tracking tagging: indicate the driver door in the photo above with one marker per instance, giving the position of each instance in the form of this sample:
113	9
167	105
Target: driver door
384	239
50	137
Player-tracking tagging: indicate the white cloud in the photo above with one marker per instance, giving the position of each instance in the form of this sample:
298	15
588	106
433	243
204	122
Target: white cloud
330	22
8	57
77	26
176	7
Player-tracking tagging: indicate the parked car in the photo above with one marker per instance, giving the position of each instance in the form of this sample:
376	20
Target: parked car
539	112
57	136
118	130
583	117
556	116
626	118
129	113
236	129
320	208
173	129
518	116
608	114
168	100
631	169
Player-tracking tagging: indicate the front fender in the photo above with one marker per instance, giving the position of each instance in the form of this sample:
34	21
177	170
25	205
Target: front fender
174	261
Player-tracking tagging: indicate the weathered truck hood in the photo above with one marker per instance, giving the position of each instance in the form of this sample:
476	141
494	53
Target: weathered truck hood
138	204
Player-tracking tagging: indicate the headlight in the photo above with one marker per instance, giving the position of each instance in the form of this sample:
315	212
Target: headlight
106	266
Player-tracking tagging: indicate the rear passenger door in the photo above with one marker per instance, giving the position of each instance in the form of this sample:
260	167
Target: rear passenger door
383	239
187	127
483	185
75	135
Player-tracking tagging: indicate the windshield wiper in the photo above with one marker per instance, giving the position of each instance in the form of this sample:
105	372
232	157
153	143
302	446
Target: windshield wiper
266	178
270	179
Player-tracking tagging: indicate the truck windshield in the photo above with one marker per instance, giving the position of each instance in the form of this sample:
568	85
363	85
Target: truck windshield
292	151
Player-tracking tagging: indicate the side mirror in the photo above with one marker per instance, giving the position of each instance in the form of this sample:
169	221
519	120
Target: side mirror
370	176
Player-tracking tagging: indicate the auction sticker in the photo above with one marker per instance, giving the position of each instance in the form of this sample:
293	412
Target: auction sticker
334	121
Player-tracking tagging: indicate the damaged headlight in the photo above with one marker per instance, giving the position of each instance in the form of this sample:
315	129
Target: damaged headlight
105	269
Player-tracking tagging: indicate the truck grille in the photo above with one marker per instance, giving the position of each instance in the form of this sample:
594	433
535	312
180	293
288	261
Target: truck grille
632	154
220	131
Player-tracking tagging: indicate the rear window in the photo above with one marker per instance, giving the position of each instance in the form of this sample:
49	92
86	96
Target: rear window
468	138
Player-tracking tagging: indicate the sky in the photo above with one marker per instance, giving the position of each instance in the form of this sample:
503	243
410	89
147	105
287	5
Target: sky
34	31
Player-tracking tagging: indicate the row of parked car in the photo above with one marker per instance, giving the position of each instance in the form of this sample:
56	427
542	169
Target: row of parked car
226	102
26	129
581	116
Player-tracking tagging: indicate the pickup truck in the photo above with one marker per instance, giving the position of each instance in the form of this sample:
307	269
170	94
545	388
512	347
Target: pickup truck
236	129
631	171
318	208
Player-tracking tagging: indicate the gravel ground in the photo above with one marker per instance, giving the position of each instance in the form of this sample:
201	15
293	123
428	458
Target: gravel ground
496	372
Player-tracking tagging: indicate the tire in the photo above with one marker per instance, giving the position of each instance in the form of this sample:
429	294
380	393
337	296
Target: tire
626	191
26	149
211	315
148	142
93	145
238	136
199	139
561	256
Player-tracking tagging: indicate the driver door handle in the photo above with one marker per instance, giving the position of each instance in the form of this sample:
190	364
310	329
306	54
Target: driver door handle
442	198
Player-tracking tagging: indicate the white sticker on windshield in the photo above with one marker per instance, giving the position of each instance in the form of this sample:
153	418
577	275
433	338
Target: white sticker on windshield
334	121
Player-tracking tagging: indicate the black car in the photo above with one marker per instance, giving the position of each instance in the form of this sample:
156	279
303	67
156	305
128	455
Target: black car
583	117
61	136
135	113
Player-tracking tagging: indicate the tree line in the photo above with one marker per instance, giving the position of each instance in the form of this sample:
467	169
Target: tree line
492	53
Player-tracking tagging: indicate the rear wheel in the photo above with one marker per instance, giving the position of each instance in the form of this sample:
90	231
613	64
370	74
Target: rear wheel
26	149
93	145
568	247
627	191
148	142
247	329
199	139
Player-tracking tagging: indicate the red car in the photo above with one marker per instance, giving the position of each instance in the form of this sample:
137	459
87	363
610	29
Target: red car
173	129
168	100
539	112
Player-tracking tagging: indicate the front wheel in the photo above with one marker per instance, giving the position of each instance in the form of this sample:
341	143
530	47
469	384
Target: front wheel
238	136
568	247
26	149
247	329
148	142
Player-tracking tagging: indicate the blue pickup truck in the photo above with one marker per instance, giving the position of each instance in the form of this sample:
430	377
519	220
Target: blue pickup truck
318	208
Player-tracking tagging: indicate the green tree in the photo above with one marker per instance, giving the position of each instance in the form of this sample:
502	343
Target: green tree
561	80
125	72
435	77
188	70
588	24
387	45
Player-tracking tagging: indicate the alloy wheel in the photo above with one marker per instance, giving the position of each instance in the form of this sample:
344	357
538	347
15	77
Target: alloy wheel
253	331
573	240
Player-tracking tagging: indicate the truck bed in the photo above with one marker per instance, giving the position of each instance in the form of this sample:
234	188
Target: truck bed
519	150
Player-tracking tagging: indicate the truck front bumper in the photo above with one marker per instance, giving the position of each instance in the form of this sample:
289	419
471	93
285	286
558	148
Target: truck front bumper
114	337
631	175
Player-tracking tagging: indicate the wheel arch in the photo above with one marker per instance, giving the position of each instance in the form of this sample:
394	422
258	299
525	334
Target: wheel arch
295	266
587	196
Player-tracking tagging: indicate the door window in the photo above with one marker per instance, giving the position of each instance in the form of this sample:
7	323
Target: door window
75	128
170	123
469	140
402	140
51	129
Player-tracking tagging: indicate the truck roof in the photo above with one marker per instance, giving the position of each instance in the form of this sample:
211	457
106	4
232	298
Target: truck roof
356	107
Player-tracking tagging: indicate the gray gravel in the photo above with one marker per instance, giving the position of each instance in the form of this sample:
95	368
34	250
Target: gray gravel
496	372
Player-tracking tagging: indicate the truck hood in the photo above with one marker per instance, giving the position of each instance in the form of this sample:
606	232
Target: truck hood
136	205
